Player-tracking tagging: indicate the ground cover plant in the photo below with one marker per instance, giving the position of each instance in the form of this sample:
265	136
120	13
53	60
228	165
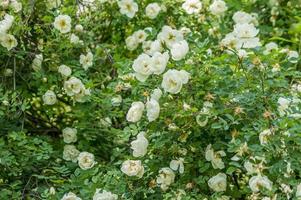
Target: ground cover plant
150	99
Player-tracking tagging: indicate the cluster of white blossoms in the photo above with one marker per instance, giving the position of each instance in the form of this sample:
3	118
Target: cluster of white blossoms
7	40
85	159
244	34
152	106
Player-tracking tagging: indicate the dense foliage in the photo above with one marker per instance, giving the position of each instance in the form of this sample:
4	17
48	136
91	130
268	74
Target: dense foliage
145	99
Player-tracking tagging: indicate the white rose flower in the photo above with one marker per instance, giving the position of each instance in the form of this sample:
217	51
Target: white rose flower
49	98
8	41
86	60
86	160
241	17
140	36
131	43
79	28
231	41
62	23
37	62
173	80
128	8
104	195
257	182
73	86
152	10
69	135
132	168
177	165
293	56
245	30
152	109
139	145
192	6
135	112
218	183
170	36
218	7
64	70
143	67
159	62
264	135
6	23
53	4
165	178
70	153
152	47
156	95
70	196
179	50
215	157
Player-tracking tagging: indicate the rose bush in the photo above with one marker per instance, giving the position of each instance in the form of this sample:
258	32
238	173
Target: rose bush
167	99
